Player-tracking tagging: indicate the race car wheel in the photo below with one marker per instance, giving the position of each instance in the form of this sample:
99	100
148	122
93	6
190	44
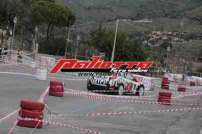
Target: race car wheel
89	86
140	90
121	90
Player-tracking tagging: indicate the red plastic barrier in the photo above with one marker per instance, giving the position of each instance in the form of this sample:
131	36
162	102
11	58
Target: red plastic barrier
30	114
192	83
56	82
166	94
56	88
30	123
32	105
165	87
165	98
58	91
181	88
56	94
165	83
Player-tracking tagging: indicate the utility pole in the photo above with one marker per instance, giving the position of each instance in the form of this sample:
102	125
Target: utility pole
67	40
115	38
36	45
167	57
77	46
116	31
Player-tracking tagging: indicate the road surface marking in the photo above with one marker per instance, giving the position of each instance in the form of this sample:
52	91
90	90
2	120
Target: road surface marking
68	79
9	115
15	73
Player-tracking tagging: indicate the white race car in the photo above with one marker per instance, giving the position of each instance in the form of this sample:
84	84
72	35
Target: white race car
118	82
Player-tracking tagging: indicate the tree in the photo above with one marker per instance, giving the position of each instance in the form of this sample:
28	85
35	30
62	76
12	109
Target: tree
195	14
126	49
3	12
8	9
51	14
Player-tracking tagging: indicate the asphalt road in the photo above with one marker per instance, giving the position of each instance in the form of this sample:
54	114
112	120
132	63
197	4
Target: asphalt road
71	111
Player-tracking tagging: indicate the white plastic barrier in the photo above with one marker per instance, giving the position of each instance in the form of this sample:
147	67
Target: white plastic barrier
26	60
198	80
51	62
189	78
30	63
173	77
41	74
148	82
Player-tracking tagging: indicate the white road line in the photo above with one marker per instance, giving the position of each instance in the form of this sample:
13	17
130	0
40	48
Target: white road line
9	115
15	73
27	74
72	90
8	64
13	127
43	95
68	79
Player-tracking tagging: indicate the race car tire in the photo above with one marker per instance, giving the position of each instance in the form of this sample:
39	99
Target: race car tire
165	98
56	83
140	91
166	94
31	114
30	123
56	89
56	94
120	90
32	105
181	88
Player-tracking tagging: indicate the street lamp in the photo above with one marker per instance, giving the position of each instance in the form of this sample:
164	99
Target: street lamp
116	31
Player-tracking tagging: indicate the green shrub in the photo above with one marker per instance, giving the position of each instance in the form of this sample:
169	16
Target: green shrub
53	46
199	70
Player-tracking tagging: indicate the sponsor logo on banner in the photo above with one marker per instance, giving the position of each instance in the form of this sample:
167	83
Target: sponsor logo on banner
99	65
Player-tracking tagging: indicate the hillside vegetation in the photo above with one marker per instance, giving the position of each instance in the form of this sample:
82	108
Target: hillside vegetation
181	16
103	10
175	23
